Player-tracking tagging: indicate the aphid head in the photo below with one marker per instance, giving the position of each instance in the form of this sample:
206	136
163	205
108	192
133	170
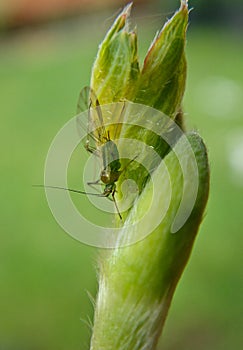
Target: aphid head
105	176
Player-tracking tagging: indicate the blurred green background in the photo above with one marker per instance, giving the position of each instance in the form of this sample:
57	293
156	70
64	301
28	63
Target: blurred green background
44	273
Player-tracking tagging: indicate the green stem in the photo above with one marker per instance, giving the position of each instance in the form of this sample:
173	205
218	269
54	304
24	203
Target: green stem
137	282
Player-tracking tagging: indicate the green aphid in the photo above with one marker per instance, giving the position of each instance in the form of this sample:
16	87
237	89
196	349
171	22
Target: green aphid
99	143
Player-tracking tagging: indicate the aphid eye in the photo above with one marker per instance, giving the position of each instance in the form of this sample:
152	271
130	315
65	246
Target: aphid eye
105	177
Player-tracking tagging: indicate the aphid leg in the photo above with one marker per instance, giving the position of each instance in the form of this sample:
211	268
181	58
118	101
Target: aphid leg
127	165
90	149
107	138
92	184
97	182
114	200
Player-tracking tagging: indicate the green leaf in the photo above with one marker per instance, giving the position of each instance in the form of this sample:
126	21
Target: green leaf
162	81
115	71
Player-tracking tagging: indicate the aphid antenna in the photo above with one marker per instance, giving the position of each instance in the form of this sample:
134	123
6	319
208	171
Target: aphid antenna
71	190
83	192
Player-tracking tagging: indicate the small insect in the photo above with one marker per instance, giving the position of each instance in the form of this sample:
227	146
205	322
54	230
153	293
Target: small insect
99	143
